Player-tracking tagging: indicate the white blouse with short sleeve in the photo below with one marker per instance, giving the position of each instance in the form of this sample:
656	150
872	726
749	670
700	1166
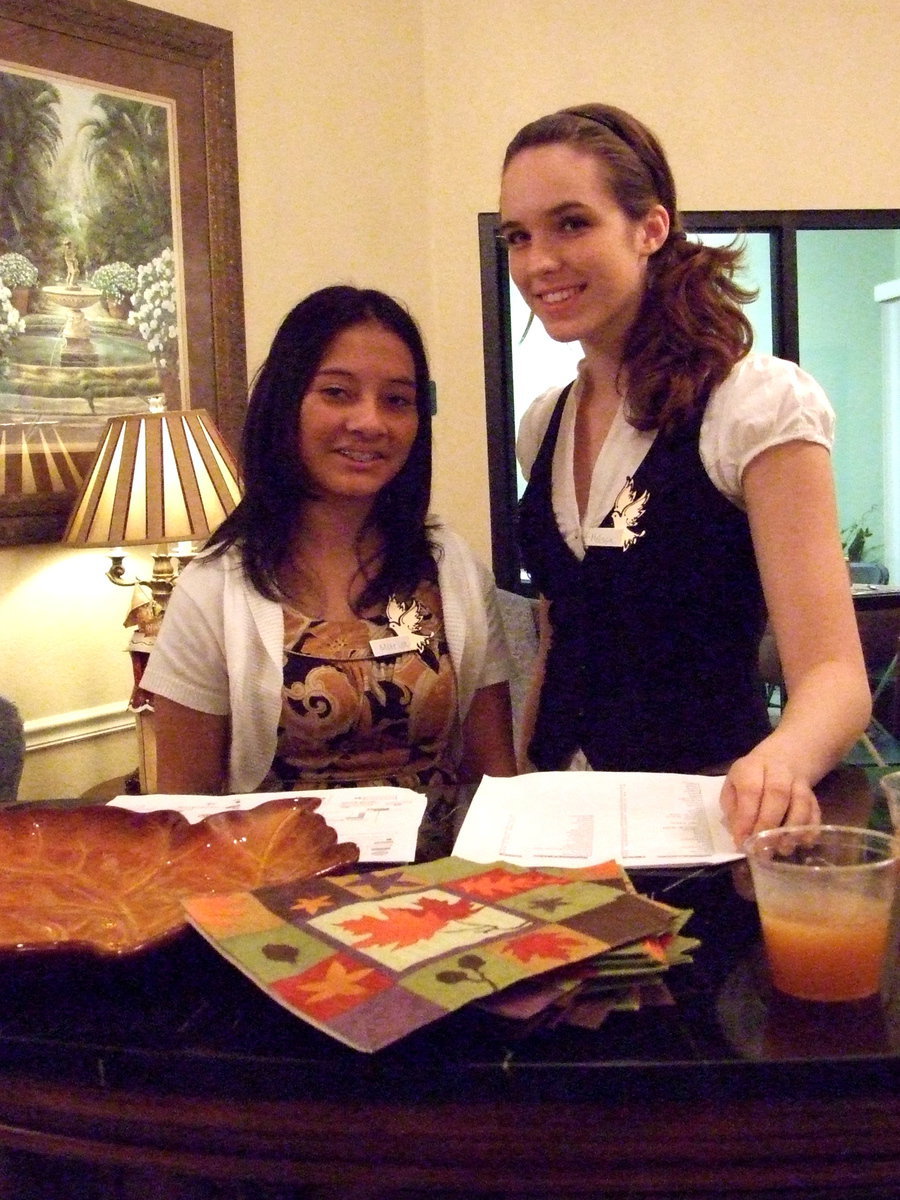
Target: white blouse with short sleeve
764	402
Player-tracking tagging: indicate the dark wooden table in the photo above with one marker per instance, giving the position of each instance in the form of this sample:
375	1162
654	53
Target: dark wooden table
170	1074
869	596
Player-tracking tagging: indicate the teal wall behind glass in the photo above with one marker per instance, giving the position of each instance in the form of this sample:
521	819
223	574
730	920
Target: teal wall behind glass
840	344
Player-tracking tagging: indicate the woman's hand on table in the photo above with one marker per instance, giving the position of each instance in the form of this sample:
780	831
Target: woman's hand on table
762	792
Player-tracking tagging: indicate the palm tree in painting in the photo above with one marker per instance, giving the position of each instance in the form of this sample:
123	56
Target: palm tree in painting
30	136
126	153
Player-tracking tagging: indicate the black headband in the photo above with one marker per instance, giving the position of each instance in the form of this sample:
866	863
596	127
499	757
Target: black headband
608	123
613	126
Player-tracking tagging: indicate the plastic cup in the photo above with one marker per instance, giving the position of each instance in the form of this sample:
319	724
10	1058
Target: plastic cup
825	896
890	787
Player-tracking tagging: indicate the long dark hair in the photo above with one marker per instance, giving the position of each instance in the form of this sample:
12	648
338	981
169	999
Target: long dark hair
691	328
275	482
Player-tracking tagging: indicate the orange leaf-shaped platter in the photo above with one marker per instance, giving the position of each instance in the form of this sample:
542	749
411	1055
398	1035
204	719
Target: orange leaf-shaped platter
111	881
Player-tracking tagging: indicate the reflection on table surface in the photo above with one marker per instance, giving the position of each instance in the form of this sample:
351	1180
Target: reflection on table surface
179	1016
760	1023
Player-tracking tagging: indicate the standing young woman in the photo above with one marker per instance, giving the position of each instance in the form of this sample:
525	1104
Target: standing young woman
328	635
678	491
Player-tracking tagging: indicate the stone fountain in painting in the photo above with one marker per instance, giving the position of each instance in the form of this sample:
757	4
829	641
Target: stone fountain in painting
77	348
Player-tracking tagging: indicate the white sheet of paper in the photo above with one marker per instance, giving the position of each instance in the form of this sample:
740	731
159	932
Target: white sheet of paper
383	821
579	818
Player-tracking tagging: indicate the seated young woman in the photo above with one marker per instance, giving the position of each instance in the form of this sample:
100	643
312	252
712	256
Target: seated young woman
330	634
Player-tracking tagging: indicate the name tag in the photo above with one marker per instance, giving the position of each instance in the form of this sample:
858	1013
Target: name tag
387	646
607	536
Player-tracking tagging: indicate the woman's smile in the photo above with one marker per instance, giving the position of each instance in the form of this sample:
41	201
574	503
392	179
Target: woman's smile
557	298
360	456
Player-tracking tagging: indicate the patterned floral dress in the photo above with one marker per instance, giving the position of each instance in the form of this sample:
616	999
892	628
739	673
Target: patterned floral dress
353	717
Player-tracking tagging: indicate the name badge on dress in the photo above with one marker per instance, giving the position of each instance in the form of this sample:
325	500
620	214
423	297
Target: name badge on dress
607	536
402	643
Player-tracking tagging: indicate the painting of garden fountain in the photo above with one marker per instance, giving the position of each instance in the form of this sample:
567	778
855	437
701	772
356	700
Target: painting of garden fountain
89	278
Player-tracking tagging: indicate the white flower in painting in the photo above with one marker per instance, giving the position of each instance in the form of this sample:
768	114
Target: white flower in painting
12	323
154	307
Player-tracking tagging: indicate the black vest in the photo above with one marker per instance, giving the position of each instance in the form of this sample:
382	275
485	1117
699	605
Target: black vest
654	659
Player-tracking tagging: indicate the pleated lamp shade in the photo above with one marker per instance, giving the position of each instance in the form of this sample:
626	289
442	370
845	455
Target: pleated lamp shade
156	477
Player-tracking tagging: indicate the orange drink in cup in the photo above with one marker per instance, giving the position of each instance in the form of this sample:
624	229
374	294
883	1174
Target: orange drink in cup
825	896
816	960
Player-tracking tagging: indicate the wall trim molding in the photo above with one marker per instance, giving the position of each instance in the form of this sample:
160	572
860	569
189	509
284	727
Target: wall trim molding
77	725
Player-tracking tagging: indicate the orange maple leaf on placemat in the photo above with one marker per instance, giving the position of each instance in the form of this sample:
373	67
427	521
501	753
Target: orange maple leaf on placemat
312	904
542	943
408	925
499	883
338	980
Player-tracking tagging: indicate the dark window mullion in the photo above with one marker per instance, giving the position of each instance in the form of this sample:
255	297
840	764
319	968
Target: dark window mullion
786	321
499	407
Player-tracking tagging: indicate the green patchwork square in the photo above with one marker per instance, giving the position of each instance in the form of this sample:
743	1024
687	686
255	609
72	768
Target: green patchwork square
456	979
272	954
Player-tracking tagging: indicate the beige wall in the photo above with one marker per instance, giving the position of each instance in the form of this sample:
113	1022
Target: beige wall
369	137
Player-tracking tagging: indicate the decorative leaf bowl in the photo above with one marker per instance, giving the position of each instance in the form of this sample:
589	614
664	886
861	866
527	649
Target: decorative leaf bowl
109	881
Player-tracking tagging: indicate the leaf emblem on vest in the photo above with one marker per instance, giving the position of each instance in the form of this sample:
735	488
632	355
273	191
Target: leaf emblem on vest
627	511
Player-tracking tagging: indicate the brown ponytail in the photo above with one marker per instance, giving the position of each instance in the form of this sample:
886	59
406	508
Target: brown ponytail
689	332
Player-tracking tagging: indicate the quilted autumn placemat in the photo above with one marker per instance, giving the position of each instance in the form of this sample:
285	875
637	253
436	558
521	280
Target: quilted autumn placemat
370	957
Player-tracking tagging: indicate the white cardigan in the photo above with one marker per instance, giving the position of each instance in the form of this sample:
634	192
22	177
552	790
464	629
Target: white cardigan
221	646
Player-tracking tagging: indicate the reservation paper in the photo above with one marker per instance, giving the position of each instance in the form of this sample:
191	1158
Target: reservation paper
579	818
383	821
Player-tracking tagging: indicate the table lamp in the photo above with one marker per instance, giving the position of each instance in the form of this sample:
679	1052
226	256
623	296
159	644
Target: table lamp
156	478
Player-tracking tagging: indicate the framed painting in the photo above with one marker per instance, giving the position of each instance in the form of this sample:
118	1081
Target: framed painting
120	255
